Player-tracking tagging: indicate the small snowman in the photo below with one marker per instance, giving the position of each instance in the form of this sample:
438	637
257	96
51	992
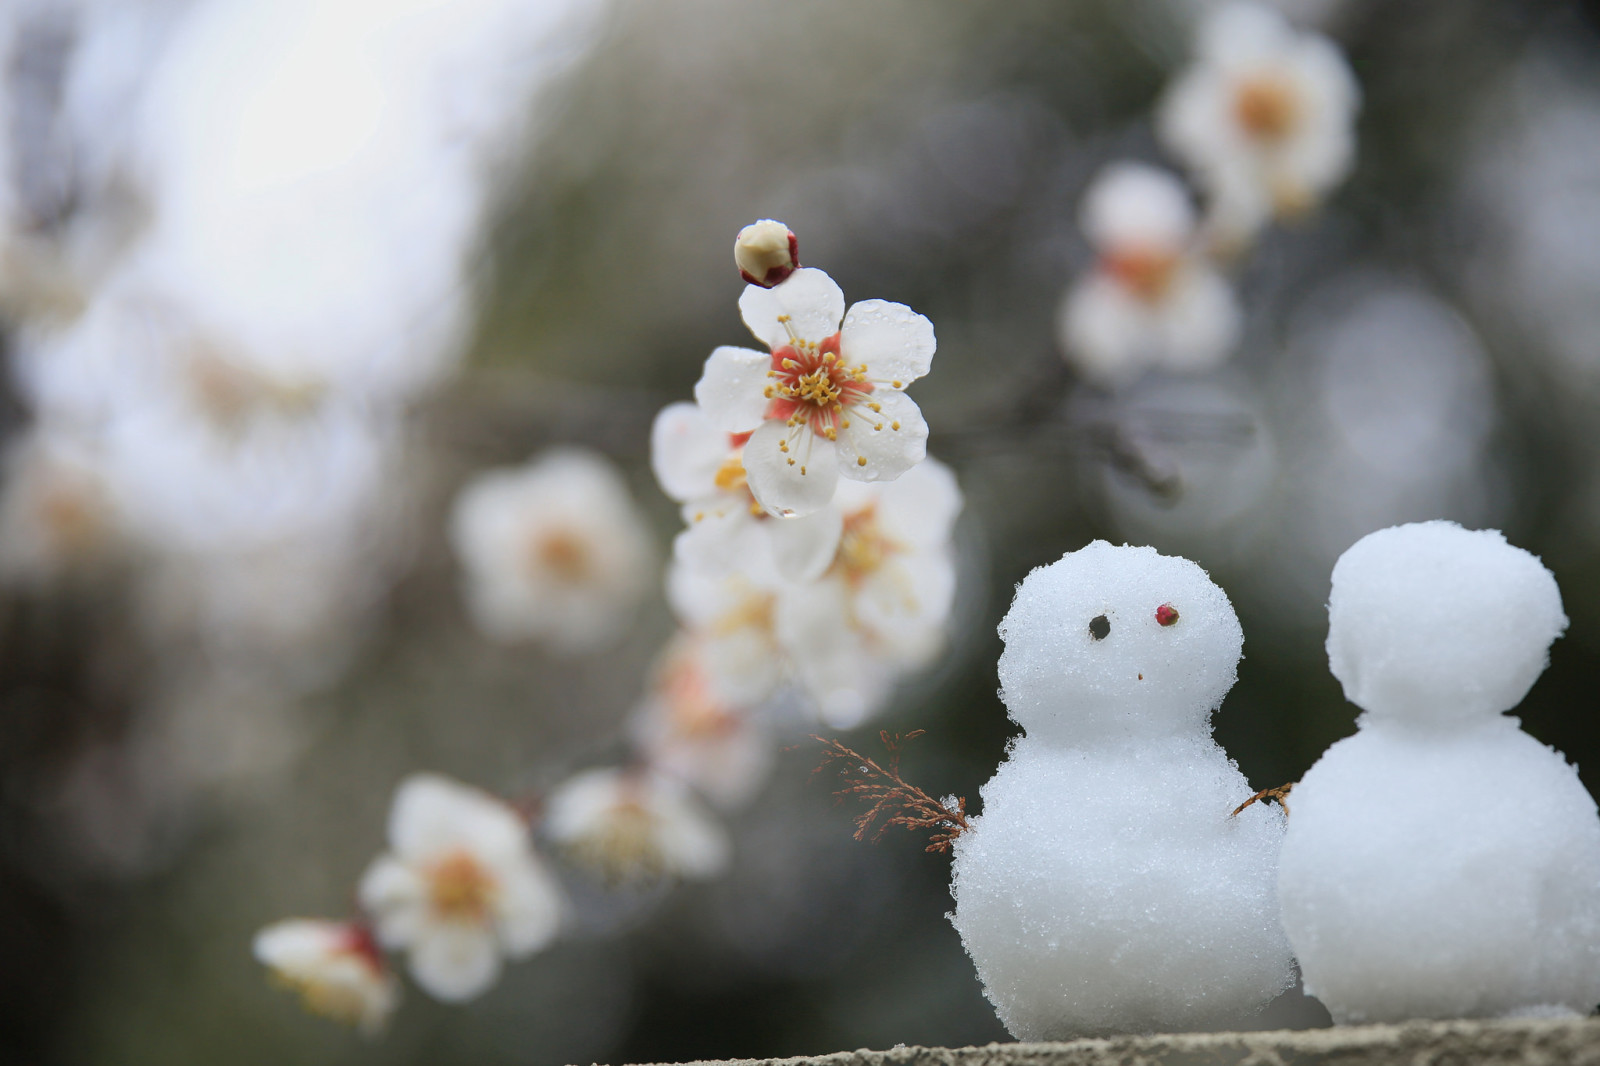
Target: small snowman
1105	889
1442	863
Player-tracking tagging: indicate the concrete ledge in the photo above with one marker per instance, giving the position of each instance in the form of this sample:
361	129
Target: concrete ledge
1458	1043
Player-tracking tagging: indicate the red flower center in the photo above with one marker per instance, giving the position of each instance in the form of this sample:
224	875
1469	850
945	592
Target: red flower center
811	384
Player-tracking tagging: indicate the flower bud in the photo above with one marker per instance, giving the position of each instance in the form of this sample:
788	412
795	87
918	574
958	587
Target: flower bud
766	253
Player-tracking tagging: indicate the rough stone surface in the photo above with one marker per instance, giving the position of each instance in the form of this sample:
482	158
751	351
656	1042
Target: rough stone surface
1458	1043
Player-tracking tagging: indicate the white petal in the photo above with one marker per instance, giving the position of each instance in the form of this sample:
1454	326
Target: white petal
433	815
1104	331
921	507
795	482
528	908
394	896
810	299
894	341
686	451
731	391
722	537
891	440
455	961
802	548
1199	320
1131	205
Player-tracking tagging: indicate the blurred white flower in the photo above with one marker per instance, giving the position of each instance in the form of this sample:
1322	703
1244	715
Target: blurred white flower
1265	117
766	253
461	887
883	608
827	400
554	551
56	514
335	967
732	615
702	467
1151	299
632	825
687	729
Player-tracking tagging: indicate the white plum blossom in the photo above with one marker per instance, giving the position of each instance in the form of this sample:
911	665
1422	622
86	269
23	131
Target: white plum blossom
1265	117
687	729
1151	300
828	398
884	605
460	888
554	551
733	617
336	968
632	825
702	467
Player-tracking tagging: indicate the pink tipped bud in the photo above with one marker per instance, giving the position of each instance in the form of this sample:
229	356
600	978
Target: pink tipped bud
766	253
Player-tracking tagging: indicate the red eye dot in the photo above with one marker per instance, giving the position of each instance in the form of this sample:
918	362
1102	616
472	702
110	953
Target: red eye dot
1166	614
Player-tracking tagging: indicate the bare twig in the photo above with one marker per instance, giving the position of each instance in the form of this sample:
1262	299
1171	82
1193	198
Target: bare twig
1281	794
892	801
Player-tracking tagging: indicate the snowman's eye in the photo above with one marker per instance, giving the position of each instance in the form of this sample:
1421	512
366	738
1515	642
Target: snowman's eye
1099	627
1166	615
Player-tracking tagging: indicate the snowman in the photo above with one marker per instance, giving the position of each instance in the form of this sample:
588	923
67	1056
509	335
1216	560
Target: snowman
1442	863
1105	888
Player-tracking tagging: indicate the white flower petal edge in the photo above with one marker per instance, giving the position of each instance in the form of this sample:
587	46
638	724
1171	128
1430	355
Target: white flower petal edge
803	548
731	389
462	887
686	451
896	342
334	967
886	437
791	476
456	961
812	302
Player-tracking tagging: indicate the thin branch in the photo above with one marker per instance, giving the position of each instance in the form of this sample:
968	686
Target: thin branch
1281	794
891	800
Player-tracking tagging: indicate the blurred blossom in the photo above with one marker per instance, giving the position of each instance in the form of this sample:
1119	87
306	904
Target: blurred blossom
732	615
461	887
1152	299
827	401
335	967
56	513
1265	117
686	729
702	467
554	551
883	607
633	825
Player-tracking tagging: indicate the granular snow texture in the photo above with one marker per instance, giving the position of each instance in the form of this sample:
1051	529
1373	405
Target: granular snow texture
1105	888
1441	862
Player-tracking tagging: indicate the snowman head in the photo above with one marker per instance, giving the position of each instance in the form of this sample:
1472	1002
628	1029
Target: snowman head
1434	623
1115	642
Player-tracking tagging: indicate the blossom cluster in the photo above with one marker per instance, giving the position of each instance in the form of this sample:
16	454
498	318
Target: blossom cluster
253	271
1263	120
816	569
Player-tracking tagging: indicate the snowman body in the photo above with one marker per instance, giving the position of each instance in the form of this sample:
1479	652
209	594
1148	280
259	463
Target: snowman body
1441	862
1104	888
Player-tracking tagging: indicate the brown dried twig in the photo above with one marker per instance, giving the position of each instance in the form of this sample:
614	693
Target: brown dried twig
1281	794
892	800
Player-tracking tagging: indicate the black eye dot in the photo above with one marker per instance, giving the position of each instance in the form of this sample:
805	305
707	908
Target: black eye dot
1099	627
